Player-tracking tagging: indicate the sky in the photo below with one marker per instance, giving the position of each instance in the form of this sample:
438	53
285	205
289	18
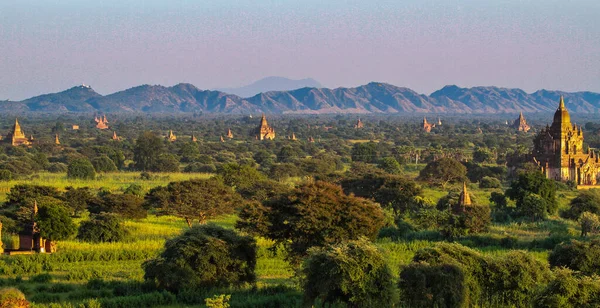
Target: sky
48	46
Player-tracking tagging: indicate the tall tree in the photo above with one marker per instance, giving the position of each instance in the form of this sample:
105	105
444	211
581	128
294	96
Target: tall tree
148	149
202	199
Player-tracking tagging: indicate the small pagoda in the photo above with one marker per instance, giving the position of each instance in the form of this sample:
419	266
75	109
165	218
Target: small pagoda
16	137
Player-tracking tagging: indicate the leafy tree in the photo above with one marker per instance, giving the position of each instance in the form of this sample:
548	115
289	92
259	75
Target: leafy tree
489	182
398	194
134	189
586	201
578	256
567	290
390	165
103	164
353	272
202	199
451	275
189	152
443	171
483	155
364	152
24	194
54	220
239	176
166	163
78	198
317	214
527	184
203	257
148	148
82	169
102	228
589	222
5	175
12	297
125	205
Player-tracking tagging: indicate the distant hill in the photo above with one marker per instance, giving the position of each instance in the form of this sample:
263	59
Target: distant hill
271	84
370	98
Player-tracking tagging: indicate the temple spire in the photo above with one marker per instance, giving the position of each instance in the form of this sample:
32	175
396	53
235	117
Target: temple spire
464	199
562	103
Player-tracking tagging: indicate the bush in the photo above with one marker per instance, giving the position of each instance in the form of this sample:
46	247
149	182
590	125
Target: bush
204	256
54	221
57	168
5	175
453	275
102	228
126	205
354	273
81	168
578	256
586	201
489	182
568	291
12	297
103	164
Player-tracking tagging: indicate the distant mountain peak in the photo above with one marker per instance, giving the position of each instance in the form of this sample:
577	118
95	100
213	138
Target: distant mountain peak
272	83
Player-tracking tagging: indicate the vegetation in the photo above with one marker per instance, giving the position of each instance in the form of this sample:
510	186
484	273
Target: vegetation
204	256
351	272
353	194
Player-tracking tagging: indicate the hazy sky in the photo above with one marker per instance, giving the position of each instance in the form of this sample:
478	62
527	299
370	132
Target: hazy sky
49	46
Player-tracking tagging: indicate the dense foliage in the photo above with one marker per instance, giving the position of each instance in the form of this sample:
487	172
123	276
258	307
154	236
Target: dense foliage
203	256
353	272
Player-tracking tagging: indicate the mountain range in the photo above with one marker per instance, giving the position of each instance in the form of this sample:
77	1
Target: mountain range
374	97
272	83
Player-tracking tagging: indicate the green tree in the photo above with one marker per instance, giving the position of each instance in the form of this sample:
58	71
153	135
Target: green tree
54	220
317	214
239	176
578	256
81	168
78	198
568	290
125	205
398	194
102	228
354	273
390	165
483	155
166	163
204	256
364	152
533	183
148	148
589	223
586	201
201	199
103	164
443	171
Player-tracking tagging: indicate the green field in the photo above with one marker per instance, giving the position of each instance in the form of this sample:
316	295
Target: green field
108	264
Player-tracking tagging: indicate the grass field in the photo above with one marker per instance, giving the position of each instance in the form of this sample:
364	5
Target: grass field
82	272
111	181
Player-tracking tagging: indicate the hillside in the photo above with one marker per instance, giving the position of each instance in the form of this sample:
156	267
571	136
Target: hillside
371	98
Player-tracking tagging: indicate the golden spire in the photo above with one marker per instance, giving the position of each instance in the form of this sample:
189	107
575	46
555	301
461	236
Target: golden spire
464	198
56	141
562	103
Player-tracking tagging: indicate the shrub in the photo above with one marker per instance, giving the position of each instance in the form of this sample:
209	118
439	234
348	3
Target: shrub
103	164
453	275
102	228
204	256
218	301
12	297
568	291
578	256
489	182
5	175
589	222
125	205
354	273
81	168
586	201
